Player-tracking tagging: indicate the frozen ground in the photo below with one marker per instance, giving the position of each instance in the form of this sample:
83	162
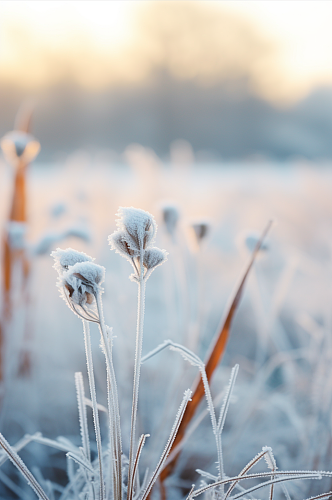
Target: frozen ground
281	336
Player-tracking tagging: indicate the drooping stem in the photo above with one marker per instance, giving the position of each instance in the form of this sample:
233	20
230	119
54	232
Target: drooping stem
113	406
89	362
137	370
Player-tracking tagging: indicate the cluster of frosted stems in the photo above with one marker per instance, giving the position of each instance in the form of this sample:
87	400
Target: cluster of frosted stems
80	282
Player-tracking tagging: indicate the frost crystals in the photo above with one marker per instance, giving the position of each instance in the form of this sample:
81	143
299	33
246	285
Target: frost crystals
79	282
133	240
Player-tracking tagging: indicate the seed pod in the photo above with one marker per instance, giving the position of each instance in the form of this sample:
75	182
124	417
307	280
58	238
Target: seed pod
140	226
79	286
122	243
154	257
63	259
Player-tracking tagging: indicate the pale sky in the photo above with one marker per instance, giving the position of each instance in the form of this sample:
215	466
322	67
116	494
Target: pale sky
41	42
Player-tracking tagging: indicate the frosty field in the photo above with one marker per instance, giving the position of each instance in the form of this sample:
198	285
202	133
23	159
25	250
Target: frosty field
280	337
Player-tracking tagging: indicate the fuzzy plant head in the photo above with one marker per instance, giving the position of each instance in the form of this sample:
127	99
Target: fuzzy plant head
133	240
63	259
79	282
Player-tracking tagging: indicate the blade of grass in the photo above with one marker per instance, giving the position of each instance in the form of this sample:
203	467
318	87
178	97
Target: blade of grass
17	461
217	349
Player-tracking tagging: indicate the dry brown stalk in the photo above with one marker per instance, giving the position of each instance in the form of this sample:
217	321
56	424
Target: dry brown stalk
18	213
217	349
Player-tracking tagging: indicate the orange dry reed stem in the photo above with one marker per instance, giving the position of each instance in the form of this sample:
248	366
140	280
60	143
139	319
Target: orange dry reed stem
217	349
18	213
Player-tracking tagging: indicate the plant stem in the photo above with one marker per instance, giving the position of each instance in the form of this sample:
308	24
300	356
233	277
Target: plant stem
137	370
113	406
89	362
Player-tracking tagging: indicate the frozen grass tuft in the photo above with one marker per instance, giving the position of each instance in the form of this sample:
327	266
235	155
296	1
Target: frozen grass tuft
114	472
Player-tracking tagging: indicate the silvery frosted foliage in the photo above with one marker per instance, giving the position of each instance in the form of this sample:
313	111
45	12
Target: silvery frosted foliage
63	259
79	282
133	240
138	224
153	257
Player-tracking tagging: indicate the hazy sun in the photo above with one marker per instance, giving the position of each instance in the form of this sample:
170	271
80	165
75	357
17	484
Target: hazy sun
97	43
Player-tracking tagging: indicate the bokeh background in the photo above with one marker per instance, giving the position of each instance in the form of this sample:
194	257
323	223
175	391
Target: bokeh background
233	78
222	113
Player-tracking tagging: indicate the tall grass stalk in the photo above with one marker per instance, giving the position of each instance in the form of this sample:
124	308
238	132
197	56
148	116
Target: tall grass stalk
113	405
137	371
89	362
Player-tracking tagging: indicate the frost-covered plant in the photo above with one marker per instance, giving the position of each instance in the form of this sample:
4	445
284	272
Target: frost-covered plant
112	476
80	282
133	240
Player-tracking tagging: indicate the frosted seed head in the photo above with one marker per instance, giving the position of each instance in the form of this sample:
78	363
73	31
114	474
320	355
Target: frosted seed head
123	244
64	259
79	286
170	216
140	225
89	272
154	257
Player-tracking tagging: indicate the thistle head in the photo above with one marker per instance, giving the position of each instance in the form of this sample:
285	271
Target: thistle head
79	282
133	240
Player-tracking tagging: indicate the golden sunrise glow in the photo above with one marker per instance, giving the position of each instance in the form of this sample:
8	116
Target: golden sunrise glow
100	43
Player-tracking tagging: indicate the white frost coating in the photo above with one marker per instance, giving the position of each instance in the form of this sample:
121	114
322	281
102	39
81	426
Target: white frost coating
133	240
269	458
154	257
63	259
123	244
139	224
92	273
79	287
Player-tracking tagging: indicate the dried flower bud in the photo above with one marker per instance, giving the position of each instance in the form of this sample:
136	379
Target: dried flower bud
153	257
63	259
79	286
171	216
140	226
122	243
133	240
18	145
201	230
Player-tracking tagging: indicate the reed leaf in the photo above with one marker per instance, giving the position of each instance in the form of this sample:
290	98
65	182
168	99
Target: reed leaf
216	351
